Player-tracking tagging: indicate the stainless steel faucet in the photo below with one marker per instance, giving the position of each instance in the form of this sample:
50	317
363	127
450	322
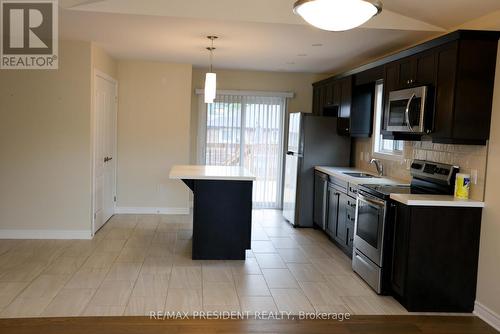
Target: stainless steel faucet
379	166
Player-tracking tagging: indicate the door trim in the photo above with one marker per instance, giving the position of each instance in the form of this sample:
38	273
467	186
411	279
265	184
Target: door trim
99	74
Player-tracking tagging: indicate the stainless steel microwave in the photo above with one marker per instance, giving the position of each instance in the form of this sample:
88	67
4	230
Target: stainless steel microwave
406	110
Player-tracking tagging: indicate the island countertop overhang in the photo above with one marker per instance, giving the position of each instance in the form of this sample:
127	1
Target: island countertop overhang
206	172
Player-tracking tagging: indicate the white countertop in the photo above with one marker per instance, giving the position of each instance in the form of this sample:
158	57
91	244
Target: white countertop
435	200
338	172
200	172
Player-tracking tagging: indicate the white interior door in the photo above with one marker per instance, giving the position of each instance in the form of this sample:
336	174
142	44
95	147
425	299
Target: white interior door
105	150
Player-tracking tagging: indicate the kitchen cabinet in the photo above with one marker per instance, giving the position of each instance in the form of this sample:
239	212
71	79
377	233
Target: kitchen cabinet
333	210
459	69
361	120
341	215
414	71
344	122
316	108
334	98
341	229
320	199
460	76
434	258
326	99
464	91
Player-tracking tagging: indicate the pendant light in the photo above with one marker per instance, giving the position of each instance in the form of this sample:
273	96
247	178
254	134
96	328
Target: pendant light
337	15
211	77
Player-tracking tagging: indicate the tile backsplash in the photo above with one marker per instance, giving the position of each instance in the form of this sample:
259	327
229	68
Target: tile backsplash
471	159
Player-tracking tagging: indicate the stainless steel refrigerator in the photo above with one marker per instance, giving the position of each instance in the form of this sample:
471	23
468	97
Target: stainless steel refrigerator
312	141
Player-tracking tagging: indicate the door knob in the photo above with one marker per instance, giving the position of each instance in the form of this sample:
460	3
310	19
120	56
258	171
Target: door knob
106	159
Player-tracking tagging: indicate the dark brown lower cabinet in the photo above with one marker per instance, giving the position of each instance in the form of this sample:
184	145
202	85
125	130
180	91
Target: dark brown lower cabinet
435	258
340	218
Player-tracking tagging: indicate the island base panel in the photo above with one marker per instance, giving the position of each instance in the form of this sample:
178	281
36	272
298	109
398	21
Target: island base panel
222	219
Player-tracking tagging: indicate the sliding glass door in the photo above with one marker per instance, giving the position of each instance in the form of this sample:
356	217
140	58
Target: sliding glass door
247	131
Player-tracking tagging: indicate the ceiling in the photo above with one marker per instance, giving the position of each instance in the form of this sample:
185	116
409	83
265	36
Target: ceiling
255	35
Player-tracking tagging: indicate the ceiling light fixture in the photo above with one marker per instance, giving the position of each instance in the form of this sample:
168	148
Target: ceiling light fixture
337	15
211	77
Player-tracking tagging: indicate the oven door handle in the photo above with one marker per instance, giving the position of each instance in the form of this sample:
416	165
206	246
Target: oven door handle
407	112
372	201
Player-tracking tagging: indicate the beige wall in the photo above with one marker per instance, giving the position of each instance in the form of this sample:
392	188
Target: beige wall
45	173
488	289
298	83
488	293
103	62
154	103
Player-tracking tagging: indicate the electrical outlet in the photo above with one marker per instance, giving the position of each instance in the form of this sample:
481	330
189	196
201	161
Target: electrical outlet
473	176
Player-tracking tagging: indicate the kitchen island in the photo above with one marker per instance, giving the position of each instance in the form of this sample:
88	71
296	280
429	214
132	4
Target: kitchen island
222	212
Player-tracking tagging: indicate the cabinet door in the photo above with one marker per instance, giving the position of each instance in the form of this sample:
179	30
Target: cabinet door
425	69
400	249
333	211
446	58
316	109
350	235
337	93
329	94
341	230
346	97
344	126
362	110
320	198
391	79
322	99
406	73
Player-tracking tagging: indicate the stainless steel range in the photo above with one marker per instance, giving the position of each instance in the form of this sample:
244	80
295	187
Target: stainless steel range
374	218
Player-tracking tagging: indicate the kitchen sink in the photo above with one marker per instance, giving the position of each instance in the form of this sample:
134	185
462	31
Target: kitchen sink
361	175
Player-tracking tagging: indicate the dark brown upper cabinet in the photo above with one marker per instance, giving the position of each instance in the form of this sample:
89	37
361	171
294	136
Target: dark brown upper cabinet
418	70
464	91
459	69
334	98
361	120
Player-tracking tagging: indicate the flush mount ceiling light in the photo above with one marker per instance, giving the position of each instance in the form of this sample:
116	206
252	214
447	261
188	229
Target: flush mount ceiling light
211	77
337	15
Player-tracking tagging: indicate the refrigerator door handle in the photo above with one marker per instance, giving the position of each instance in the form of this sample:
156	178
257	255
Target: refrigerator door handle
294	154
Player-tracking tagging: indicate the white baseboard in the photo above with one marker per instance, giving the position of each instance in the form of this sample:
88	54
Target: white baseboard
46	234
151	211
487	315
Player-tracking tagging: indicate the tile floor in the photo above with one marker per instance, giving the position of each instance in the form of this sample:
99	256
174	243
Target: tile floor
138	264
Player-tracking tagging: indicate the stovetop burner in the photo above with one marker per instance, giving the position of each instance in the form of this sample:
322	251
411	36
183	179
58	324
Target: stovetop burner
428	178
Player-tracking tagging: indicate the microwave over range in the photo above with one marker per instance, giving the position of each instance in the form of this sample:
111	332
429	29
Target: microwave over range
410	111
